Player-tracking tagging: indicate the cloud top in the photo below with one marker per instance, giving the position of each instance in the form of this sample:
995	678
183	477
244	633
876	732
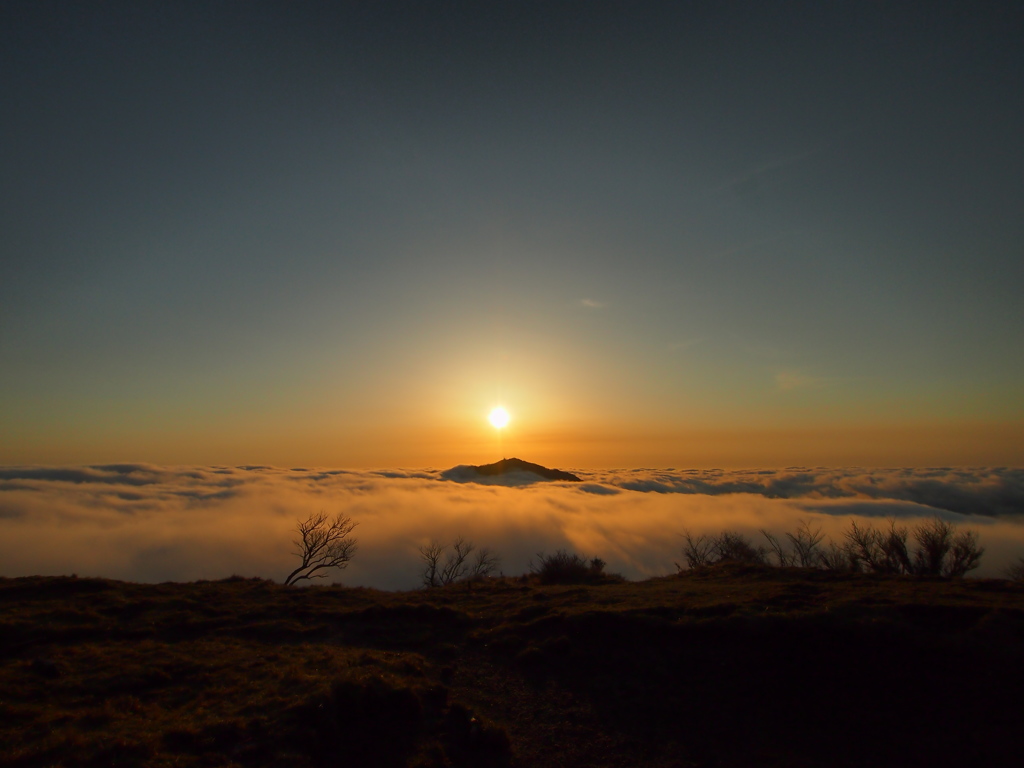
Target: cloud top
151	523
990	491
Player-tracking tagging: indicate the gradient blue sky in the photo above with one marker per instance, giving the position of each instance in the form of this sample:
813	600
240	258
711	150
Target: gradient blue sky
663	233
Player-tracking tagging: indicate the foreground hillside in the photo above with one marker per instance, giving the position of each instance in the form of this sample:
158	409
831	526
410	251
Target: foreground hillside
723	666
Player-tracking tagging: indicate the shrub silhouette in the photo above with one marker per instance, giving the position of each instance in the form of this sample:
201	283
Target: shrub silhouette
736	548
836	557
933	548
879	551
564	567
728	546
940	549
1016	571
964	554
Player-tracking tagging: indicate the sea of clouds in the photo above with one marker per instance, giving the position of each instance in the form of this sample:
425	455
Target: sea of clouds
151	523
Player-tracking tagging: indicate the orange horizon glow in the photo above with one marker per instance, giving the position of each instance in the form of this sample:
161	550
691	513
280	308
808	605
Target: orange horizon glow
567	445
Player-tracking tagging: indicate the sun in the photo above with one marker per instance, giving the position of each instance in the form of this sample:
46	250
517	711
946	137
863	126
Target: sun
498	417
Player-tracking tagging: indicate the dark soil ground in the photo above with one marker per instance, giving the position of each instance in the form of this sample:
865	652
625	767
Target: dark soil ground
724	666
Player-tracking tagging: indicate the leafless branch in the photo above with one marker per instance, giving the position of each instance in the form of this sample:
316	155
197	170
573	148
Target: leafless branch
484	564
805	544
934	539
455	565
323	543
863	546
940	550
1015	571
431	555
698	550
733	546
894	548
837	558
964	555
443	565
785	558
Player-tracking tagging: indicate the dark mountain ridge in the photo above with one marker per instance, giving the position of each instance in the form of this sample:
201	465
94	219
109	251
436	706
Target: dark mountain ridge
466	472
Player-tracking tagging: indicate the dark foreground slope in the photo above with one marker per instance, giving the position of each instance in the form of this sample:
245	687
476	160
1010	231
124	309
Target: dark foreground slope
727	666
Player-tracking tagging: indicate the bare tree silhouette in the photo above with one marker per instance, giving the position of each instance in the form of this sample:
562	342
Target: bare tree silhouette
805	543
698	550
964	554
324	543
441	569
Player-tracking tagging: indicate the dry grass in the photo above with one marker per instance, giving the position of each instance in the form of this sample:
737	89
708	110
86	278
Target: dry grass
730	665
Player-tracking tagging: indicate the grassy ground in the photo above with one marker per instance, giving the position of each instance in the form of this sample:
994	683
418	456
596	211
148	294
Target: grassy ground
725	666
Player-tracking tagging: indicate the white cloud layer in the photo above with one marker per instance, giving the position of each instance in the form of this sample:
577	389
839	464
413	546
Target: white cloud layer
151	523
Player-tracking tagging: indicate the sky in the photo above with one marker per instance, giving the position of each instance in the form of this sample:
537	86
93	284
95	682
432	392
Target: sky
722	234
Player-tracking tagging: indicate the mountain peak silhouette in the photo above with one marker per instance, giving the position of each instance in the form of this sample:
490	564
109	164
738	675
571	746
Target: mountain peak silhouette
511	467
505	466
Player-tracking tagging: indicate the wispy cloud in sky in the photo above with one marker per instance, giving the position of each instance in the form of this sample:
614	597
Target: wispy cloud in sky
764	167
786	381
679	346
149	523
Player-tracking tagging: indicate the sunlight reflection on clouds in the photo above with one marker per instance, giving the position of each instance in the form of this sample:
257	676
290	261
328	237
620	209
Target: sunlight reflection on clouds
150	523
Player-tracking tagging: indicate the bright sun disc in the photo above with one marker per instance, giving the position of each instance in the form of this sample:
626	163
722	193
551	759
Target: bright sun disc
498	417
